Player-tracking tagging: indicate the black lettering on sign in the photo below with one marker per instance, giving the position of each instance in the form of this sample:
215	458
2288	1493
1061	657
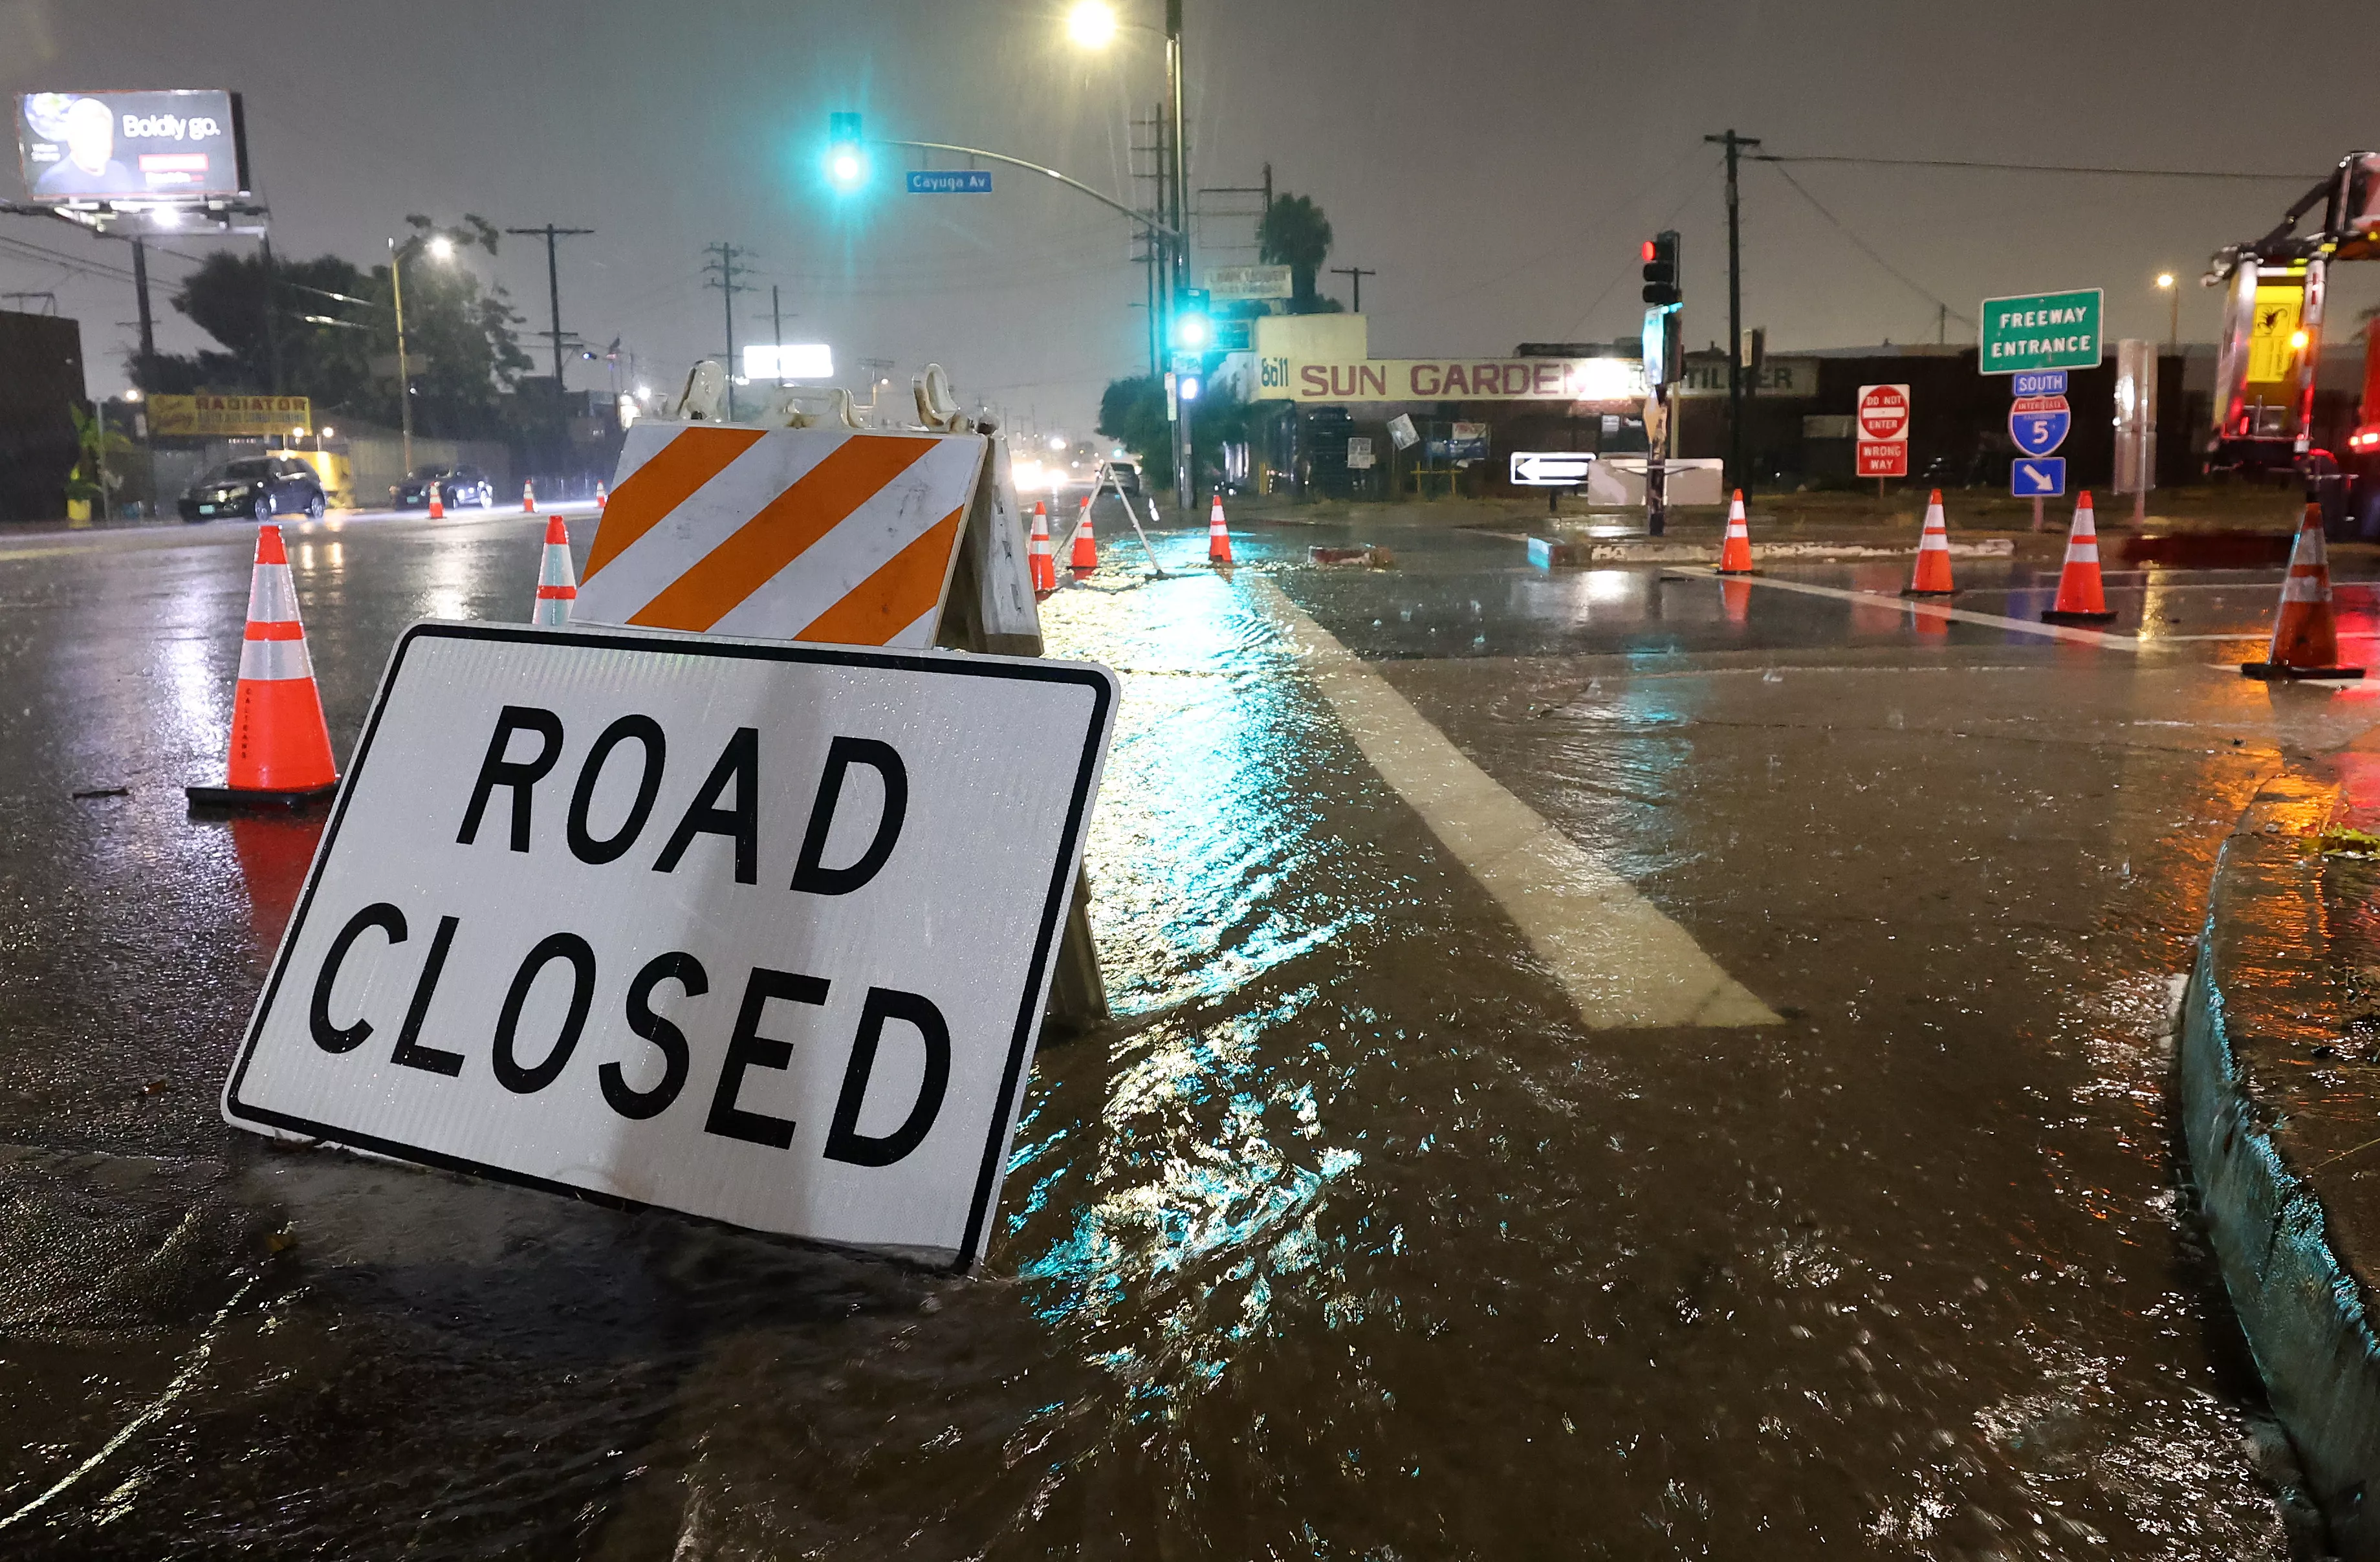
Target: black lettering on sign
843	753
843	1140
409	1050
638	1105
747	1049
495	770
648	732
558	946
739	764
328	1035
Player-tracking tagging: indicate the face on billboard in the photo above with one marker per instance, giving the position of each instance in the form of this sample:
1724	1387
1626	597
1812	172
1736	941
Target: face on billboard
105	145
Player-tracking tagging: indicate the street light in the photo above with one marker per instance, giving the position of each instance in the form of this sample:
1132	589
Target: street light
2173	322
441	248
1091	25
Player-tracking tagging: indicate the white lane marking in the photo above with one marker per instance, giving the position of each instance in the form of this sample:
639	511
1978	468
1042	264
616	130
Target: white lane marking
1919	605
1623	963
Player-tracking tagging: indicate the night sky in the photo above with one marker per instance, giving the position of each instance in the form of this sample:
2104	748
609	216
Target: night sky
1496	162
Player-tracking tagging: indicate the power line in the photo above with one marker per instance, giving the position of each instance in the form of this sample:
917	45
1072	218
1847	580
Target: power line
2037	167
1864	248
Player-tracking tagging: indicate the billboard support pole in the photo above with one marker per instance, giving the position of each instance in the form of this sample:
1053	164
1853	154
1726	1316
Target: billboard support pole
141	288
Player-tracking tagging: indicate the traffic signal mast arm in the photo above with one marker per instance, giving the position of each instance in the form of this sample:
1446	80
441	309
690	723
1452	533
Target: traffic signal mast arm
1144	218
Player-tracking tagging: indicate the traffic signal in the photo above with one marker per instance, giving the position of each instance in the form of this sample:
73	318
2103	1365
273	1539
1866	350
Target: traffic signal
1194	327
1661	270
846	158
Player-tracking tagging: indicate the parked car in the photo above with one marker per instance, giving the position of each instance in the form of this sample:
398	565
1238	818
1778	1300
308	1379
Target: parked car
456	486
257	486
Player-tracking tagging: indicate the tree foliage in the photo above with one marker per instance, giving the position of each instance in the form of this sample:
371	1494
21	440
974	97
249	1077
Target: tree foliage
1294	232
1131	413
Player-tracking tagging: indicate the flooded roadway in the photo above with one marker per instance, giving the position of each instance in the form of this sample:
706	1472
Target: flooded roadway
1352	1240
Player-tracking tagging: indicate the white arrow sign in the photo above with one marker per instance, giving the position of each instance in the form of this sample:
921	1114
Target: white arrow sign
1550	469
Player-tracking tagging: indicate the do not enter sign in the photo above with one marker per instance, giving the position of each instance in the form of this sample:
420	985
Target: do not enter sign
758	932
1883	418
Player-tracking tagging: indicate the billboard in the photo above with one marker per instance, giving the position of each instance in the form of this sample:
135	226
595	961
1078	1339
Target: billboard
113	146
228	416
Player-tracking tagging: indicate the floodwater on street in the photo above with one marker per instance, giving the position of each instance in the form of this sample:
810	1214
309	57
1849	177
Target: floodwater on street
1351	1237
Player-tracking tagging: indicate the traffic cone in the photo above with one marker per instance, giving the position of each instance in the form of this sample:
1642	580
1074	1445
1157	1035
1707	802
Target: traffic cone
280	747
557	588
1086	549
1932	576
2080	599
437	504
528	497
2306	631
1735	554
1044	561
601	498
1219	536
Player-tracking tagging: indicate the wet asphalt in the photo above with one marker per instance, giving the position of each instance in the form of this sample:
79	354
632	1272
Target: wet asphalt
1349	1239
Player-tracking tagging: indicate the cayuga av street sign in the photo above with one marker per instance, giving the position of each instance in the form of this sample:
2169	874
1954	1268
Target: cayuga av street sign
2041	330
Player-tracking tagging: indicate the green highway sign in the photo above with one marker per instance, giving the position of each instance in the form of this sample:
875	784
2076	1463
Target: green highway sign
2041	330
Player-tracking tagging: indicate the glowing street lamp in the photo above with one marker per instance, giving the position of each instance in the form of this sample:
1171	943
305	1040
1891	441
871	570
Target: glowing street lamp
2173	322
1091	24
441	249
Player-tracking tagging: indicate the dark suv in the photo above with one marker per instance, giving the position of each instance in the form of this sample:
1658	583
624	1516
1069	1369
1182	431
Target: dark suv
258	487
457	485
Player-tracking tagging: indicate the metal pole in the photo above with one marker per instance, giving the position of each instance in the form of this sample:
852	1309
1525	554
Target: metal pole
1177	271
404	375
141	286
1736	477
553	304
777	324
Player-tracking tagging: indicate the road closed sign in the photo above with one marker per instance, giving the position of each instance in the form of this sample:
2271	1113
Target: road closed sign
1882	423
755	931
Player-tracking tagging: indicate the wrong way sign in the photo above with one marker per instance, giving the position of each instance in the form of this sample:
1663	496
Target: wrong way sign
755	931
1883	416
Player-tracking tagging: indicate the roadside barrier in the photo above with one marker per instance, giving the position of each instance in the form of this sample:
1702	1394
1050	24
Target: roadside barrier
1219	536
1086	549
1932	575
280	748
1044	561
557	588
528	497
2081	598
2306	629
1735	553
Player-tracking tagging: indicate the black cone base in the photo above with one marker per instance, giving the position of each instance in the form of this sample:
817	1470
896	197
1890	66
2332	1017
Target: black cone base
2054	616
2281	672
1912	591
221	799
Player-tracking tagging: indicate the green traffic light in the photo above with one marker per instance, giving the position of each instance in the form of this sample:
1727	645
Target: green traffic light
846	160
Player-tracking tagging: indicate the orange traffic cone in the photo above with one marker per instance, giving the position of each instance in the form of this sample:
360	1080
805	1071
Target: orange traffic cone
601	498
280	747
1044	561
1086	549
437	504
557	588
2306	631
2080	599
1219	536
1735	554
528	497
1932	576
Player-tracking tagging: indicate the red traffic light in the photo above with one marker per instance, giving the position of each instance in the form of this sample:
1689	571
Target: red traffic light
1648	251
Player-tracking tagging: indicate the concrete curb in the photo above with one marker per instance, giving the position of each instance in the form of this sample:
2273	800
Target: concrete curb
2307	1317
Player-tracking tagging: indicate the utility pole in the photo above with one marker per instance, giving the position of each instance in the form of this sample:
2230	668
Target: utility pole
1735	144
1358	274
777	326
141	287
553	288
721	272
1178	271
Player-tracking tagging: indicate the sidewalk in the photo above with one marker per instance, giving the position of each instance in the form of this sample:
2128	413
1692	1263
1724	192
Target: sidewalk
2279	1097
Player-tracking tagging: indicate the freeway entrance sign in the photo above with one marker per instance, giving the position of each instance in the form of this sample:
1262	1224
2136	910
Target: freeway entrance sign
950	181
1550	469
2041	330
2038	478
752	930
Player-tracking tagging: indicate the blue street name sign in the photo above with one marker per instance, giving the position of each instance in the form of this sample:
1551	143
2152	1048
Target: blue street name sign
2038	382
2038	424
950	181
2038	478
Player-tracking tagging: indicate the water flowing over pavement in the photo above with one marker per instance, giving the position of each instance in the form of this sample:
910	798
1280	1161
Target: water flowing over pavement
1353	1237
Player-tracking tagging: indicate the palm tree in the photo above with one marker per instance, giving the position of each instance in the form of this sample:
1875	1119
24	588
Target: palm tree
1295	234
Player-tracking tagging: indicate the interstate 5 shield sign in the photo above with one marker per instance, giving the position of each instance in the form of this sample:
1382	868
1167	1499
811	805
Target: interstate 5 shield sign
2039	424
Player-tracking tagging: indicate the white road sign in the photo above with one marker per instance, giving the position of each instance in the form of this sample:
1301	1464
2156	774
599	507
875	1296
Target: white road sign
760	932
1550	469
